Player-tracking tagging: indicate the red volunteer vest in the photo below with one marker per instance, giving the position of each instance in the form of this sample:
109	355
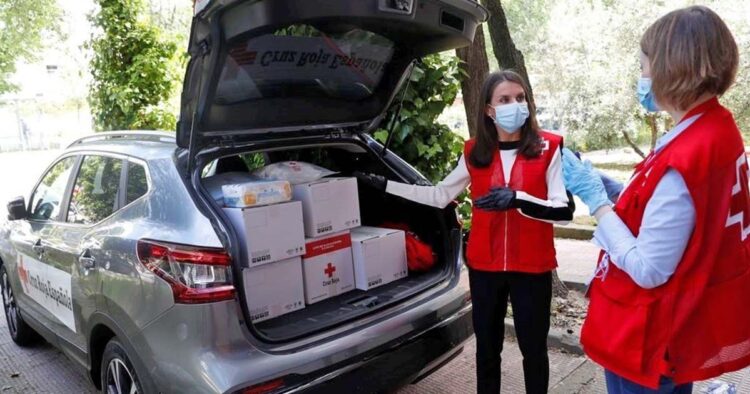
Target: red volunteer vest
696	326
509	241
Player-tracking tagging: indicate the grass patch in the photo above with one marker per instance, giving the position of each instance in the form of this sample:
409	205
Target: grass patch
584	220
615	166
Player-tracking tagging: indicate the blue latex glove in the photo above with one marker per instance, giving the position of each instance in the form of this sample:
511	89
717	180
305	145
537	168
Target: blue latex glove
583	180
613	187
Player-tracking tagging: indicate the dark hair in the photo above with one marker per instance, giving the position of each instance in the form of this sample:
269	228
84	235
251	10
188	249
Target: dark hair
486	137
690	52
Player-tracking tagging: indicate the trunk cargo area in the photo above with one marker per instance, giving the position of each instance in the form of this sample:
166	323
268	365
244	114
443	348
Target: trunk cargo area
431	225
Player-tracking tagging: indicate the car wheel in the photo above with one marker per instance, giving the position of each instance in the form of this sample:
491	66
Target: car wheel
20	332
117	372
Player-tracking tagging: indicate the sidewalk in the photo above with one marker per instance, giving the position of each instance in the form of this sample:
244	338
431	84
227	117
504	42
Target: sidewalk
576	263
459	376
576	260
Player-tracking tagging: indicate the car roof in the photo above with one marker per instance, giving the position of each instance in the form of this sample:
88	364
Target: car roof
142	144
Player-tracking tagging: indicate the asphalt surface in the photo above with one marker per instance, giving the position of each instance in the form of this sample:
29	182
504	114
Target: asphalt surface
44	369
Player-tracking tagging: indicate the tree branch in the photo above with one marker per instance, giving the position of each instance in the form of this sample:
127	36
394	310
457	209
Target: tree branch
508	57
633	145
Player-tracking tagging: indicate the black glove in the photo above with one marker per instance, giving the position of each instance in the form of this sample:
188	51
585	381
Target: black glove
376	181
498	199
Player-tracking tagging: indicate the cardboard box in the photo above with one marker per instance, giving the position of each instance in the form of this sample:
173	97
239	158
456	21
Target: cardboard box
379	256
250	194
269	233
274	289
327	267
329	205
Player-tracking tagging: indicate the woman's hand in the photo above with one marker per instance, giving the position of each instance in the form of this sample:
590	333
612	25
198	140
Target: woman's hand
581	179
611	186
498	199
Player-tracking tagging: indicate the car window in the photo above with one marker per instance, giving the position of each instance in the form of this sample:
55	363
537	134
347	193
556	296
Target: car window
137	182
96	190
46	199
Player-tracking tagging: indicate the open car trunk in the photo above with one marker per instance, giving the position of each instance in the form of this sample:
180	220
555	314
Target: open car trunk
266	75
437	227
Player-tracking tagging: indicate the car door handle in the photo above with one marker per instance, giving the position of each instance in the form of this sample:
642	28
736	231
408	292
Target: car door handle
37	247
86	260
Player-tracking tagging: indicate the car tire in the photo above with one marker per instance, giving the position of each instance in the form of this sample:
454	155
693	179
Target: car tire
21	333
117	372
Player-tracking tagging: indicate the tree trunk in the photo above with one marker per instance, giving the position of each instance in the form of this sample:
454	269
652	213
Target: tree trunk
558	287
475	65
508	57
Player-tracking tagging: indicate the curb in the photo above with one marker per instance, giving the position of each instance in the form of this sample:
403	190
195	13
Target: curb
575	231
557	338
577	286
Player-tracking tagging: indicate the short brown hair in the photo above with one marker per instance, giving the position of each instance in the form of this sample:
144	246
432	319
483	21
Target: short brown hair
690	52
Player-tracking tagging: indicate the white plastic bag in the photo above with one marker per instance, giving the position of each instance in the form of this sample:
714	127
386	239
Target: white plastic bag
295	172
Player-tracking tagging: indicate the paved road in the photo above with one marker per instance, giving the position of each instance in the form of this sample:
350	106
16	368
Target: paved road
38	369
44	369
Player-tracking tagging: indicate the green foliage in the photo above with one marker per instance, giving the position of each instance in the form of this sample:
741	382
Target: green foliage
418	138
134	69
582	59
254	161
431	147
23	24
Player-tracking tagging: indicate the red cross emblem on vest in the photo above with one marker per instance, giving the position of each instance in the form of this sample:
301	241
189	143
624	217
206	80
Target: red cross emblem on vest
545	145
330	269
740	204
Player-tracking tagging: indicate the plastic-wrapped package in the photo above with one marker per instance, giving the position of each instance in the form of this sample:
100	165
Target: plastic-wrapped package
295	172
241	189
214	183
250	194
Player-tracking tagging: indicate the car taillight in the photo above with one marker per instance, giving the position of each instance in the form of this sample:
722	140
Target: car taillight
196	275
263	388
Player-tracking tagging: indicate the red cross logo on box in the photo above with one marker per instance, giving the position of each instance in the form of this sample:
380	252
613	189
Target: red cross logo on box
330	269
738	208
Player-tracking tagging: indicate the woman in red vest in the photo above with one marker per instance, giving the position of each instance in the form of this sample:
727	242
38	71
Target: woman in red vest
668	305
515	173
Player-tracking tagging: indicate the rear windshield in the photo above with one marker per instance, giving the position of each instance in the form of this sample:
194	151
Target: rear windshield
303	75
302	61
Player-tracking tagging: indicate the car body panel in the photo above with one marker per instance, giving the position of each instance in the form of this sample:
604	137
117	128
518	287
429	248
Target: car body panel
211	347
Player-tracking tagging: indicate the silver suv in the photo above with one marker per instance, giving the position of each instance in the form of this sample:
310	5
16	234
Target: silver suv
122	258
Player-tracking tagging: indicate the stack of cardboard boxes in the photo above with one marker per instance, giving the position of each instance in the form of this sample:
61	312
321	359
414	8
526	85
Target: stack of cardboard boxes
312	248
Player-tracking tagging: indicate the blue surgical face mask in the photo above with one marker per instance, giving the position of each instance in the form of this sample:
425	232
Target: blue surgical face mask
510	117
646	96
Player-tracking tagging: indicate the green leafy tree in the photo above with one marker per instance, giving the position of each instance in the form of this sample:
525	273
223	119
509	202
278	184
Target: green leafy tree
582	59
23	24
418	137
134	69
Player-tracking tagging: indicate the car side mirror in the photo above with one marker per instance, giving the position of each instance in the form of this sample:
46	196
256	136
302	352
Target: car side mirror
17	209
